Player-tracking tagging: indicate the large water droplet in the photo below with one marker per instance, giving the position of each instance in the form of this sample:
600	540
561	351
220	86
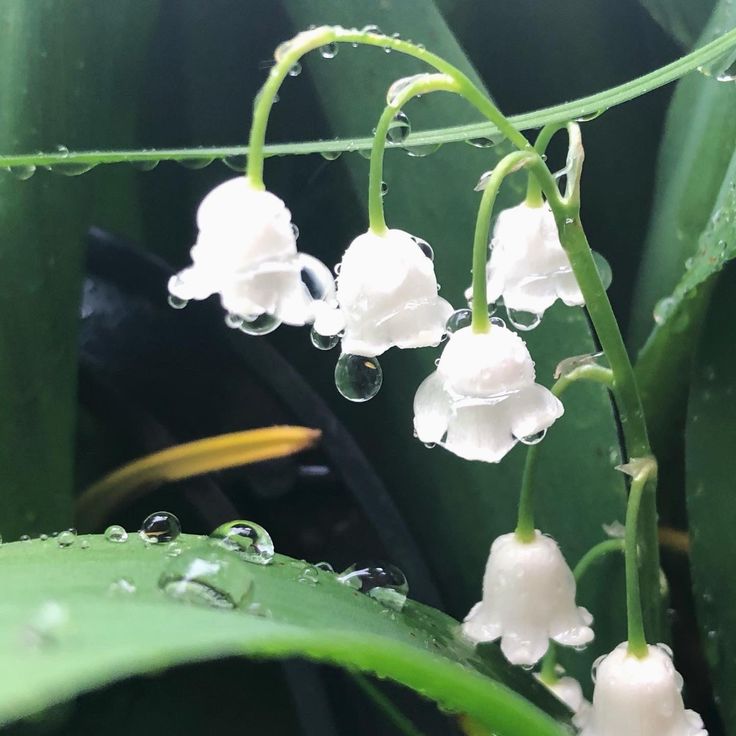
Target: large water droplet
160	526
249	540
523	321
380	580
295	70
533	439
323	342
421	150
330	155
235	163
459	319
176	303
425	247
145	165
196	163
71	169
22	172
116	533
357	377
66	538
329	51
384	189
207	576
316	277
262	324
399	128
604	269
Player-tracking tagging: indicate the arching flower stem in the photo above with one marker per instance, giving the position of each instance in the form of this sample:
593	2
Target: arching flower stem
290	52
548	673
525	525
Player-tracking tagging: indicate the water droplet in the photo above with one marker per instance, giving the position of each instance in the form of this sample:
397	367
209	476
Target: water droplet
116	533
329	51
400	85
66	538
71	169
249	540
533	439
459	319
596	665
207	576
425	247
160	527
121	587
22	172
84	544
421	150
722	69
194	163
380	580
235	163
258	609
316	277
233	321
523	321
63	151
482	142
295	230
384	189
587	117
24	538
371	29
358	378
146	164
664	309
324	566
604	269
399	128
176	303
323	342
295	70
331	155
497	322
174	550
261	324
309	575
43	537
46	624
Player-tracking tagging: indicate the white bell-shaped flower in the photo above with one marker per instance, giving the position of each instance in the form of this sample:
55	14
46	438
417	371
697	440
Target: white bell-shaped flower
246	251
482	398
528	599
387	297
569	691
528	266
638	697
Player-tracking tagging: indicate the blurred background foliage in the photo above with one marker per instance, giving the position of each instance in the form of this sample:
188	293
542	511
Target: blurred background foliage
138	376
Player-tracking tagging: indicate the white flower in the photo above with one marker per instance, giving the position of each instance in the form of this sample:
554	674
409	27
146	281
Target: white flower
246	251
528	266
568	690
482	398
639	697
387	297
528	599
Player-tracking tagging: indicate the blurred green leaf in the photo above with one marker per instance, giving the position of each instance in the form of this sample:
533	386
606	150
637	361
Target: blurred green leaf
711	466
682	19
66	632
62	85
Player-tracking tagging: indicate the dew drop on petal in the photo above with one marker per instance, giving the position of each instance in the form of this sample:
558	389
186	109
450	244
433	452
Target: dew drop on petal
358	378
425	247
261	324
459	319
160	527
323	342
250	541
116	533
497	322
523	321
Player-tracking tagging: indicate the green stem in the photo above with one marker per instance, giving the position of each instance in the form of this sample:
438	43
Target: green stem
533	189
423	85
507	165
525	526
548	673
290	52
392	713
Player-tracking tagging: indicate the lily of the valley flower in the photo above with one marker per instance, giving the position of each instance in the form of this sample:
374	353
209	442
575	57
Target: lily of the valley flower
387	297
638	697
528	599
528	266
569	691
246	251
482	398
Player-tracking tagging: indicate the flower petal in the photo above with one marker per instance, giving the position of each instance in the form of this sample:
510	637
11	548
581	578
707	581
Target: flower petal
432	410
480	431
533	409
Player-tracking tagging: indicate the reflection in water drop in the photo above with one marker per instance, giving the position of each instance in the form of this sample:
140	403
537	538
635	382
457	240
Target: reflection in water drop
263	324
382	581
116	533
329	51
358	378
249	540
160	527
523	321
399	128
323	342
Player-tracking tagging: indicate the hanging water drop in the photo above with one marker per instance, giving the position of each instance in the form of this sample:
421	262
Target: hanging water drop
249	540
604	269
160	527
195	164
176	303
66	538
384	189
399	128
261	324
236	163
425	247
295	230
458	320
295	70
330	155
421	150
116	533
329	50
587	117
483	142
207	576
533	439
523	321
382	581
497	322
145	165
323	342
358	378
316	277
71	169
22	172
233	321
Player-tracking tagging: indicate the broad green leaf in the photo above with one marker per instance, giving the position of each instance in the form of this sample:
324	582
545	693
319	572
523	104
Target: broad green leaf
682	19
693	168
710	439
72	625
62	84
456	508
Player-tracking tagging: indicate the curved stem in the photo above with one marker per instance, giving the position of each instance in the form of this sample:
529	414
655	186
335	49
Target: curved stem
507	165
423	85
290	52
525	525
548	673
533	189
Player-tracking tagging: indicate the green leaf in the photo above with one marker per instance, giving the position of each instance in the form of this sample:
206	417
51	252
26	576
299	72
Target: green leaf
582	108
456	508
682	19
67	633
711	465
695	170
61	83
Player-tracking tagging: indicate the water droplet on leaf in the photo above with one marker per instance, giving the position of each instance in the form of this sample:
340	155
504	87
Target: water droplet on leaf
66	538
116	533
249	540
382	581
160	527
